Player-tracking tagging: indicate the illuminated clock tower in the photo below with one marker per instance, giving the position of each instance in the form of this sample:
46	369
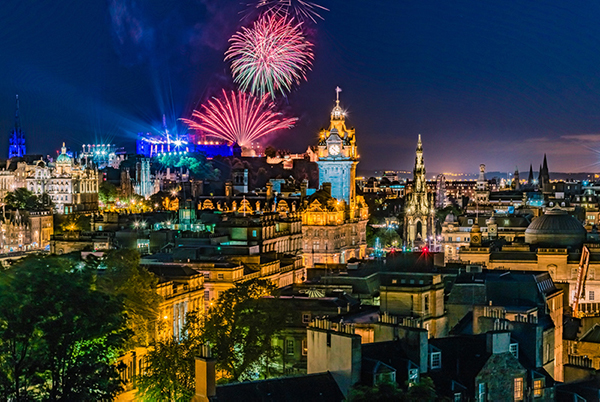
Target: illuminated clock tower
338	156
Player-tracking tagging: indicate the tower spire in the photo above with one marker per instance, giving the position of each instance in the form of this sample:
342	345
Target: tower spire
16	141
17	119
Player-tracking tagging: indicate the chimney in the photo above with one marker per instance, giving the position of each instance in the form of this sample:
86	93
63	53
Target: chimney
303	187
228	189
498	342
206	388
327	188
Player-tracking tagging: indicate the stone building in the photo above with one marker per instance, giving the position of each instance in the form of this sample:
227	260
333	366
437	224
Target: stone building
419	210
334	218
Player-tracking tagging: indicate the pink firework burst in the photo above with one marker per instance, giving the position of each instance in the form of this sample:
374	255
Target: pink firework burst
239	118
299	9
271	56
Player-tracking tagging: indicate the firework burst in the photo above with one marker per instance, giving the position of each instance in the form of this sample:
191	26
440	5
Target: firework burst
299	9
271	56
239	118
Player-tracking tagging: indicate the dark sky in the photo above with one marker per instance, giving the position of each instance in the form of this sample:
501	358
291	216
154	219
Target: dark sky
494	82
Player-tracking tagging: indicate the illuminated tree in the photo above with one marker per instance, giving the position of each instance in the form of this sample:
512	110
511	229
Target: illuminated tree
22	198
59	336
240	327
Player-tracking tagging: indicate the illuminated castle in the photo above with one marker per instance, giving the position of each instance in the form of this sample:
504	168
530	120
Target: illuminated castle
16	148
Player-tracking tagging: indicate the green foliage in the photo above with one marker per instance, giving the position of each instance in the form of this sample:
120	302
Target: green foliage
125	278
423	391
383	392
197	163
450	209
240	328
169	374
59	337
22	198
107	192
387	237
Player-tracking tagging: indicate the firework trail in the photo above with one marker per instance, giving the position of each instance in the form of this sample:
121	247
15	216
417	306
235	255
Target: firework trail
239	118
299	9
271	56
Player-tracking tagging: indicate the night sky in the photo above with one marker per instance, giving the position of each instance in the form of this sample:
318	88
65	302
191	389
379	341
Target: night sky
494	82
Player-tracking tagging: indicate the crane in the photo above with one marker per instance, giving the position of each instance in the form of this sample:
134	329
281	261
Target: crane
582	271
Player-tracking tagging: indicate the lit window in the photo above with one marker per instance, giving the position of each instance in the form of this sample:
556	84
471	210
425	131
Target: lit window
518	387
207	295
304	347
220	277
538	388
481	395
591	295
436	360
254	233
306	318
514	349
290	347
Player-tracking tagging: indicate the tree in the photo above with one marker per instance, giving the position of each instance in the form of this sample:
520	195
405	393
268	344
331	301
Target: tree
124	277
59	336
240	328
423	391
384	392
197	163
270	151
22	198
169	372
107	192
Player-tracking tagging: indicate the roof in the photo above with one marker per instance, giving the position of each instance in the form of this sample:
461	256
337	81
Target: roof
312	387
592	335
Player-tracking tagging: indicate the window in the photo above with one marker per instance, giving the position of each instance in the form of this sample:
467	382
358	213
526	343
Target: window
518	388
592	274
457	397
290	347
436	360
426	303
482	391
538	388
254	233
514	349
591	295
305	318
220	277
207	295
304	347
469	221
207	275
573	273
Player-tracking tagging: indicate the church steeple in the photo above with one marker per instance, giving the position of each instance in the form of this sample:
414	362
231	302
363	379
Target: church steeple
530	178
16	141
419	170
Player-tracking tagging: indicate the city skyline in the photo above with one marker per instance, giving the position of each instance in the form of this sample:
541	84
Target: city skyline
482	83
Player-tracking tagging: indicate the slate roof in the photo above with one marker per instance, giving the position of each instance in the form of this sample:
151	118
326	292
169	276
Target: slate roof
592	335
312	387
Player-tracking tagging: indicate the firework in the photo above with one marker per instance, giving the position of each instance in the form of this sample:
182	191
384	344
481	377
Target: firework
269	57
301	10
239	118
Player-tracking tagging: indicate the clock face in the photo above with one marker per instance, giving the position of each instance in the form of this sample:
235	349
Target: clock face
334	149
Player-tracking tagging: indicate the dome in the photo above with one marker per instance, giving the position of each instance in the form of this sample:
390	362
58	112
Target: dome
556	228
450	218
63	158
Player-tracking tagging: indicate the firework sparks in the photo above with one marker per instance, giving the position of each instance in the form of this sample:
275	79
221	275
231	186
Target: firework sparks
269	57
239	118
300	9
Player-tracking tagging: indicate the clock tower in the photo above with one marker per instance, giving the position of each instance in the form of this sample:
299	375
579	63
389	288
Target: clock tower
338	156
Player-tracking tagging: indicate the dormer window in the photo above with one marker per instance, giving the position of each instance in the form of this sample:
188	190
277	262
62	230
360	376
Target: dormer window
435	360
514	349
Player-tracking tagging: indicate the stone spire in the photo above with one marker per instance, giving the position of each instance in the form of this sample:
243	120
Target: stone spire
516	179
530	178
419	178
